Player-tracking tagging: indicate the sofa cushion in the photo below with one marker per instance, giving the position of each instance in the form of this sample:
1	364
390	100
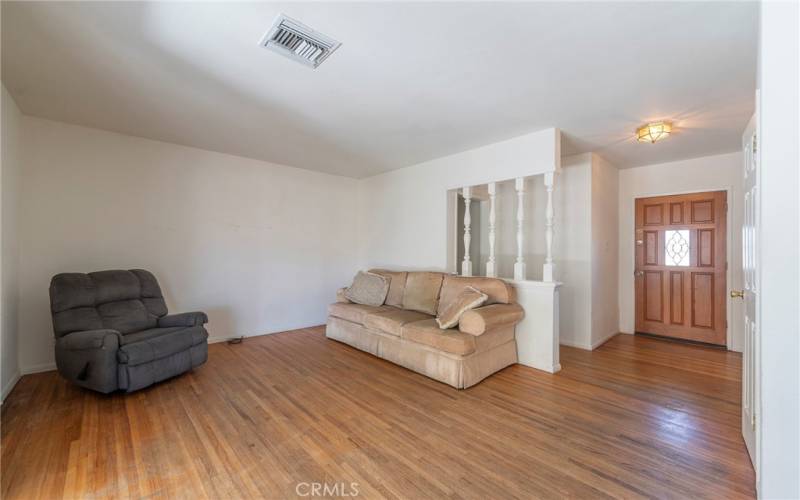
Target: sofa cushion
422	292
159	345
468	299
397	284
427	332
353	312
392	321
497	290
368	289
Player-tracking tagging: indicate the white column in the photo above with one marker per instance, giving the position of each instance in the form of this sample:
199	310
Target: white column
491	268
466	266
549	267
519	265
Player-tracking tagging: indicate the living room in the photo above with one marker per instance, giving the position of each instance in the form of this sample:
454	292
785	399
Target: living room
519	253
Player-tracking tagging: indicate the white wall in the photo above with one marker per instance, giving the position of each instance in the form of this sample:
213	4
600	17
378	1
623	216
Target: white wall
260	247
404	213
9	182
586	250
572	249
605	255
779	75
710	173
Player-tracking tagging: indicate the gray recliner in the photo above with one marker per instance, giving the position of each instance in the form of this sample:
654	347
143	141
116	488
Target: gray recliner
113	332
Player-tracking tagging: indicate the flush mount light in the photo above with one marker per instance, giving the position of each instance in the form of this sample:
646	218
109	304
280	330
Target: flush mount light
653	132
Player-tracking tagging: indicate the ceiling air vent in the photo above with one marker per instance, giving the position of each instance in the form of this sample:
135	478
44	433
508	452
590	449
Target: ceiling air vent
297	41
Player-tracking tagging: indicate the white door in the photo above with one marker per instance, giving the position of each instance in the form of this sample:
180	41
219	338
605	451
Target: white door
750	238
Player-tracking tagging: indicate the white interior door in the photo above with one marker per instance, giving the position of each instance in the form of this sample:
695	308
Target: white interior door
750	239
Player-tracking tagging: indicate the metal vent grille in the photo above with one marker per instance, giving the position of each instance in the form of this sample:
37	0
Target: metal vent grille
297	41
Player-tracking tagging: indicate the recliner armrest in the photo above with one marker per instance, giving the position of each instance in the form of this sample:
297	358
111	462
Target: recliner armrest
90	339
478	321
196	318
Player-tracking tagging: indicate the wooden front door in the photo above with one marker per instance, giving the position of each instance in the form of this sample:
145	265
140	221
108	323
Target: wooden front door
681	266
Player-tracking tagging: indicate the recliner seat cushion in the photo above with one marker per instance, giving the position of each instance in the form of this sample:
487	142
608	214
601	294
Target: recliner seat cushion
393	320
130	338
353	312
427	332
158	345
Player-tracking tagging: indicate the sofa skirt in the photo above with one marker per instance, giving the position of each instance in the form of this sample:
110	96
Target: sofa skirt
458	371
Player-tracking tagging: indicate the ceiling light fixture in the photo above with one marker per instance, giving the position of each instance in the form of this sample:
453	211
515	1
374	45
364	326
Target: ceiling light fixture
654	132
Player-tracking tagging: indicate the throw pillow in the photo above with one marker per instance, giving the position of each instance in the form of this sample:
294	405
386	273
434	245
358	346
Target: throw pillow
369	289
469	298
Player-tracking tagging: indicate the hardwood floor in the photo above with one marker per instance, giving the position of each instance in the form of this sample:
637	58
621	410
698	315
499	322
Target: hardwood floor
638	417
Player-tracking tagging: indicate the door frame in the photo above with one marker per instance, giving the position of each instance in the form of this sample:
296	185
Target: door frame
630	266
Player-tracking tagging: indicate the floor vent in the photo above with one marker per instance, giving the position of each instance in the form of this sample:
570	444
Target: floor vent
297	41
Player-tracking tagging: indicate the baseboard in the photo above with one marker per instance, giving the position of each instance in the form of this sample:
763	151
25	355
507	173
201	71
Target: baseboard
216	340
9	386
579	345
588	347
599	342
42	367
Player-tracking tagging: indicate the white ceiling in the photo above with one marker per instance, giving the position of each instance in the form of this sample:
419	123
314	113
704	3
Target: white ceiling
411	82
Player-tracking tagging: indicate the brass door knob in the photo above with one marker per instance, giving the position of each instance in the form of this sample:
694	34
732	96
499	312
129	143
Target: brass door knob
737	293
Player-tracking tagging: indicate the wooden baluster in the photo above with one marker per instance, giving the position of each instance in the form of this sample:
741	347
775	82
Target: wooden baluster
466	266
491	268
548	270
519	265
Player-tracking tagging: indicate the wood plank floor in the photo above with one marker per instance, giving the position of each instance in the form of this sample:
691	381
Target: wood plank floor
638	417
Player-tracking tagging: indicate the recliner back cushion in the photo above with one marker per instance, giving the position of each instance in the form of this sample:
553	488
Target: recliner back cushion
422	292
126	301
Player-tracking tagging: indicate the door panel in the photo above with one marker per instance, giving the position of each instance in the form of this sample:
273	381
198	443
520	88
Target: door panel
676	297
681	266
653	299
750	371
703	300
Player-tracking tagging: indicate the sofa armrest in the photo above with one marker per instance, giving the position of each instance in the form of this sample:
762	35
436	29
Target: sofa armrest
340	295
90	339
478	321
196	318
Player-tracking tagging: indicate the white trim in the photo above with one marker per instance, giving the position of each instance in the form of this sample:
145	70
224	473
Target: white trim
10	386
533	283
631	264
39	368
597	343
594	345
217	340
579	345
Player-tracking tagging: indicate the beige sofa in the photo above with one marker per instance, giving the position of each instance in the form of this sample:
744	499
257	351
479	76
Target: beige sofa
403	330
